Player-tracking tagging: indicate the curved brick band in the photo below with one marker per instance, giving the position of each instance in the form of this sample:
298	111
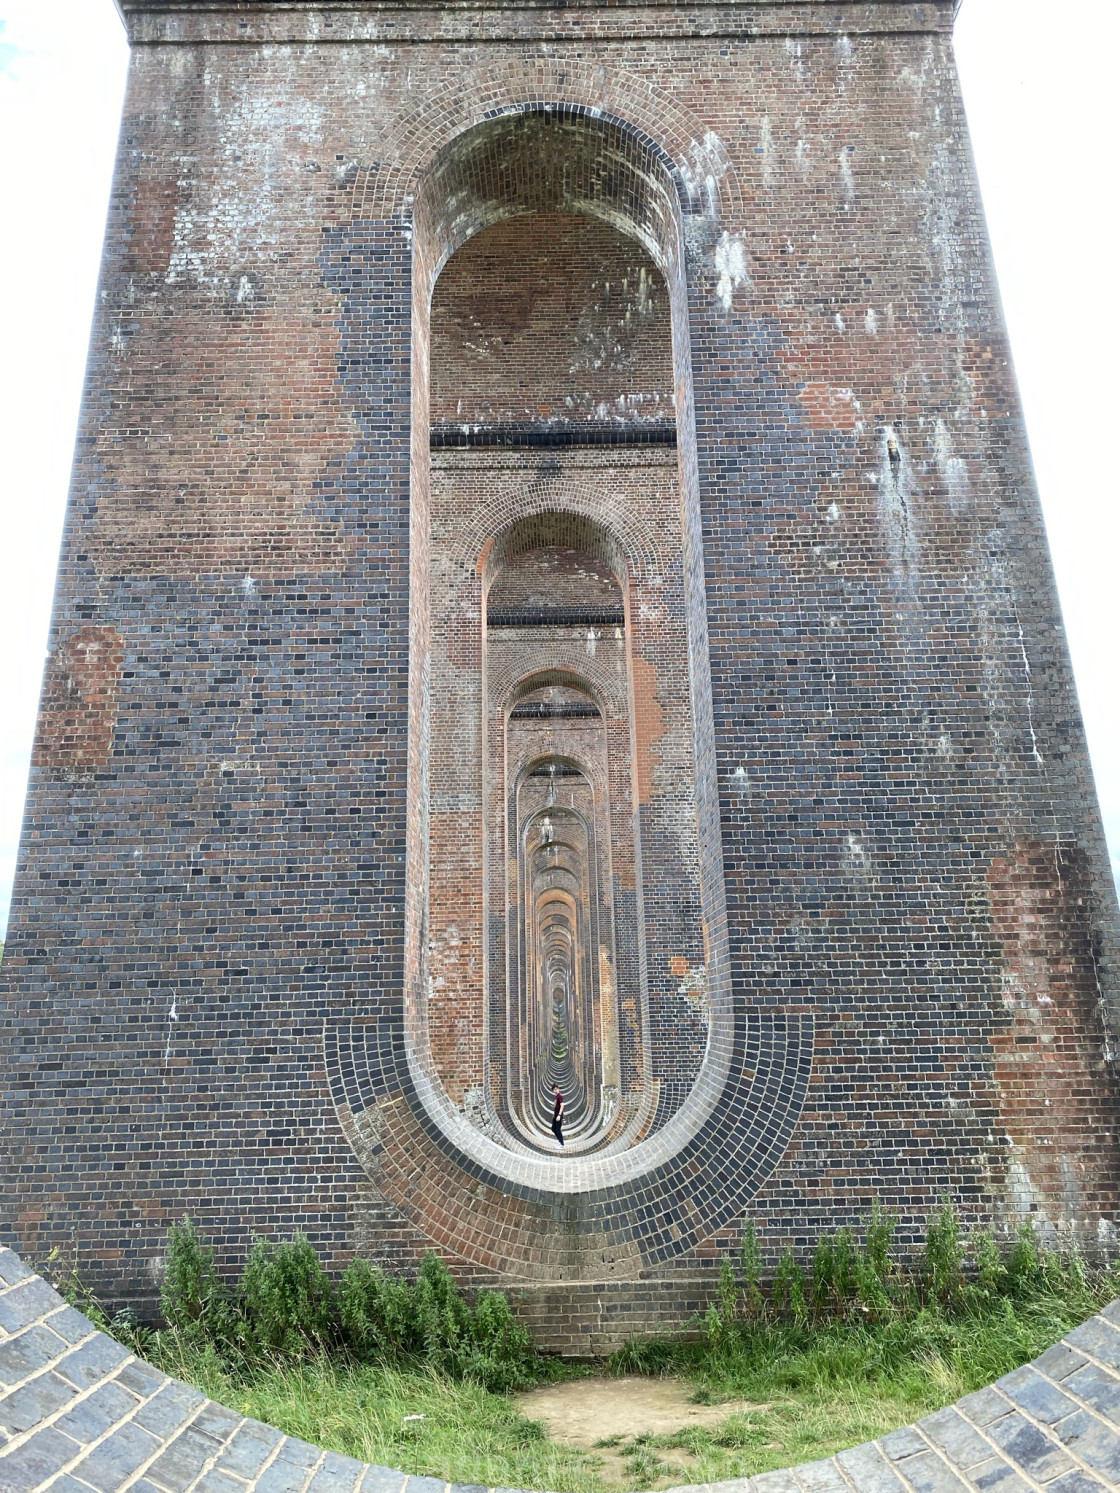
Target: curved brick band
522	1215
80	1414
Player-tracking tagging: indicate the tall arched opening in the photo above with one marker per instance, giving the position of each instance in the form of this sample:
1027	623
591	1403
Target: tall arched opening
566	916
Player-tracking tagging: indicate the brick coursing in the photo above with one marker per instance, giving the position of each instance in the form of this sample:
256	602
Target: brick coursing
876	824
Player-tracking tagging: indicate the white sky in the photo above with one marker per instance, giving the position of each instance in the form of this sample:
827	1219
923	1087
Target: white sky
1039	83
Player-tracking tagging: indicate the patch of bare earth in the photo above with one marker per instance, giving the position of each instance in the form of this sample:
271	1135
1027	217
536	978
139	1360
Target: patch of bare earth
607	1416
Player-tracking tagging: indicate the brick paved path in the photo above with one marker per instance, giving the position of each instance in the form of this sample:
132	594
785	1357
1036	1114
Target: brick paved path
80	1414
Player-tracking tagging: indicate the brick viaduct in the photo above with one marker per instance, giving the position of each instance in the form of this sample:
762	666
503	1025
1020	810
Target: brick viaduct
553	592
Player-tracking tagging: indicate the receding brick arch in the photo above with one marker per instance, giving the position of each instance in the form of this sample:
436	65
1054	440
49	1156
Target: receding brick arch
696	156
738	1103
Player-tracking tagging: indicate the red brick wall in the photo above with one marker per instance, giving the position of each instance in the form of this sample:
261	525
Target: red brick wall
551	316
78	710
214	928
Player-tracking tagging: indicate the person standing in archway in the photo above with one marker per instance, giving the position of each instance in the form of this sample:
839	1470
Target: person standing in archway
557	1113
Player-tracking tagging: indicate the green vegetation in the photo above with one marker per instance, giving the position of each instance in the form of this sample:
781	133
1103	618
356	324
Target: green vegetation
466	1433
286	1310
854	1346
410	1374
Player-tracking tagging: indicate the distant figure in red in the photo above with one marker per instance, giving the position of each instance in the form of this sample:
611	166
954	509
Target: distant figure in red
557	1113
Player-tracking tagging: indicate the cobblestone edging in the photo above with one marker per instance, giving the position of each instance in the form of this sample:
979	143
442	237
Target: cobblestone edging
80	1414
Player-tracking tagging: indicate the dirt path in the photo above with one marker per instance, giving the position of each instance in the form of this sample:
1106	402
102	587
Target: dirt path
585	1412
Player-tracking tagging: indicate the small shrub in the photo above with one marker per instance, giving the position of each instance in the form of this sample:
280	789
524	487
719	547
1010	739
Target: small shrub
652	1356
1024	1268
191	1295
287	1296
501	1347
790	1299
880	1237
387	1320
750	1259
944	1256
443	1318
991	1272
376	1316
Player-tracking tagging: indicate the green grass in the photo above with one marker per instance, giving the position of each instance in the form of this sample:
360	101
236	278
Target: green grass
835	1350
468	1434
812	1390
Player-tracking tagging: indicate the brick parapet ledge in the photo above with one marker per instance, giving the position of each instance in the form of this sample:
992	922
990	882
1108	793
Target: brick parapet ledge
80	1414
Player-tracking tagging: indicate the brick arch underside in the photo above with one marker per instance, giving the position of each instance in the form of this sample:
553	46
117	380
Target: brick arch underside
528	1233
700	165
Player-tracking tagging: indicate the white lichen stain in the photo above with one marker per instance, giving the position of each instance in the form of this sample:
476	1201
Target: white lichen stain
731	267
847	180
740	781
871	322
856	860
704	169
233	215
895	481
832	514
694	987
172	1018
766	151
953	470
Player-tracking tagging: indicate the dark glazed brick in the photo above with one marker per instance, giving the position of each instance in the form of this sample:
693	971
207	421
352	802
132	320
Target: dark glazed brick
281	1477
1059	1361
33	1402
217	1421
927	1473
169	1409
952	1434
70	1324
821	1477
249	1449
27	1303
46	1453
1099	1339
1041	1399
299	1453
1077	1482
336	1475
12	1268
218	1482
984	1407
903	1443
32	1350
1098	1388
183	1460
1093	1441
869	1470
92	1361
141	1378
384	1480
1039	1456
999	1476
93	1416
117	1457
